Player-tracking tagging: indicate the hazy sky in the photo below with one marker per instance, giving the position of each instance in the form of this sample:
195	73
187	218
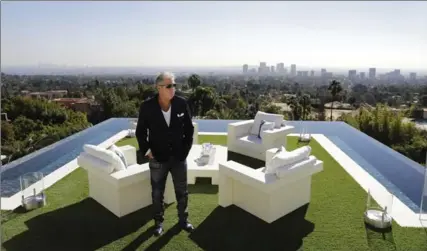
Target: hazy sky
336	34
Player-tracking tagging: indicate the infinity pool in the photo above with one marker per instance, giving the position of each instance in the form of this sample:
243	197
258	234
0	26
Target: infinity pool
402	176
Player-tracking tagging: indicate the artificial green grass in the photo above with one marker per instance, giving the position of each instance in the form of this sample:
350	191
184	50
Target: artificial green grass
332	221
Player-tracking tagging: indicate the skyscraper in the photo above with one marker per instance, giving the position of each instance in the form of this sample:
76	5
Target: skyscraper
413	76
322	72
372	73
293	70
245	68
352	74
280	67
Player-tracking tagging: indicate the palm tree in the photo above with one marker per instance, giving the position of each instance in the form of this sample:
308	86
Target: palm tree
295	105
202	100
305	105
335	89
194	81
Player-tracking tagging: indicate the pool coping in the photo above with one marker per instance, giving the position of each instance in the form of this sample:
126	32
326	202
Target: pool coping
401	213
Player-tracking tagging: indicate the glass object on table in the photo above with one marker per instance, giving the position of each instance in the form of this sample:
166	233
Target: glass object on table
32	190
207	154
304	136
378	213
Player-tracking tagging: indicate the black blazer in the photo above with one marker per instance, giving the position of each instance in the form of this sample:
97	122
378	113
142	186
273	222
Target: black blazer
165	142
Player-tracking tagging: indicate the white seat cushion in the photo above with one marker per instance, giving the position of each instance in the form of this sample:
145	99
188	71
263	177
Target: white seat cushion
133	174
105	155
285	159
250	139
249	142
265	127
277	119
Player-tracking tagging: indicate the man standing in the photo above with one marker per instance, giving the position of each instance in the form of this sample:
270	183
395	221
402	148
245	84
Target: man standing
165	135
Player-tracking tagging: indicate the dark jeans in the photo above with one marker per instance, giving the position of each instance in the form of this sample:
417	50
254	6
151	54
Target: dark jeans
159	172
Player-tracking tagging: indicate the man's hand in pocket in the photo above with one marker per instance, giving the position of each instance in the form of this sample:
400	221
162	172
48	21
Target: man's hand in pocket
150	155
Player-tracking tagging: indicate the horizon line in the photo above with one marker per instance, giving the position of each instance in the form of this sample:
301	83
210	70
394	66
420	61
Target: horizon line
191	66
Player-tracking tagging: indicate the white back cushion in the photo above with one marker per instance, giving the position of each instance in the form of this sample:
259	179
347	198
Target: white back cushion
91	162
119	153
289	170
285	159
105	155
277	119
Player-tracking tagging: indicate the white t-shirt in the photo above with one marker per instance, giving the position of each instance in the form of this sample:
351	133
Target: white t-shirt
167	115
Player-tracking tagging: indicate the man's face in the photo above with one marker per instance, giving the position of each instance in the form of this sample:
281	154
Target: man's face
167	89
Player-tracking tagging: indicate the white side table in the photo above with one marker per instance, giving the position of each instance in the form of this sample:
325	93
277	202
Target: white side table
206	171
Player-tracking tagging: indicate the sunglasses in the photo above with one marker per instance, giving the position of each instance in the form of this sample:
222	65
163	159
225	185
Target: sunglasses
169	86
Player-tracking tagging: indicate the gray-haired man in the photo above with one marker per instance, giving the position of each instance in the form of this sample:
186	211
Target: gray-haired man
166	120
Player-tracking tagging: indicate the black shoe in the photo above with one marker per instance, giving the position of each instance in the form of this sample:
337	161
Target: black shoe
187	226
158	229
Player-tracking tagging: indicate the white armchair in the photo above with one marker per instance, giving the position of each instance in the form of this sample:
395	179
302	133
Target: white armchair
253	139
270	192
122	190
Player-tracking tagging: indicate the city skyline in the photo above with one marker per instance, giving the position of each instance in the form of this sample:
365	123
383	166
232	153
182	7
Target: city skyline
345	35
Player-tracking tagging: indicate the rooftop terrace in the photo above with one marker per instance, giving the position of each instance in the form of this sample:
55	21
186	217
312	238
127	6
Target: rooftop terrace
353	162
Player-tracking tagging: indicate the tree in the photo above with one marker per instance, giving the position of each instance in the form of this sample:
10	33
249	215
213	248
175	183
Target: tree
271	108
202	100
225	113
335	89
296	109
305	103
194	81
424	100
388	127
7	133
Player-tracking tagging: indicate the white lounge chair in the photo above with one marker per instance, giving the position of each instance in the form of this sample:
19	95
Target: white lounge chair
253	137
120	190
271	192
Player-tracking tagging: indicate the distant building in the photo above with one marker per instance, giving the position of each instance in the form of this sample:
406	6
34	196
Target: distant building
293	70
362	75
413	75
47	95
84	105
245	68
352	74
280	68
311	73
328	75
263	68
393	76
302	73
372	73
322	72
